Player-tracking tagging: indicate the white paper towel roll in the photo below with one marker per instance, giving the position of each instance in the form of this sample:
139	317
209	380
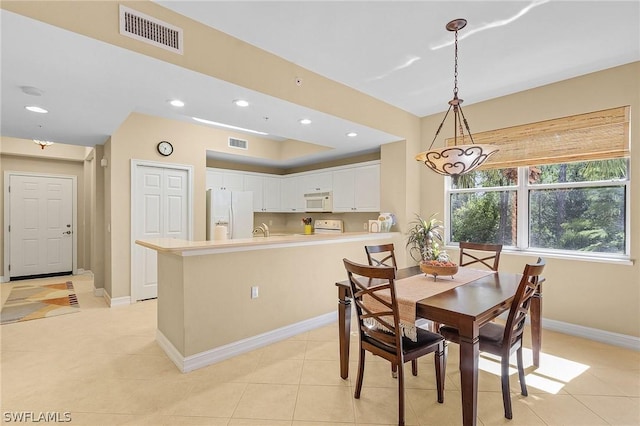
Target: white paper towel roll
220	232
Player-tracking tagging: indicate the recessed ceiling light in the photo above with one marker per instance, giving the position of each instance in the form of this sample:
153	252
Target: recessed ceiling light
241	103
352	134
228	126
176	103
305	121
37	109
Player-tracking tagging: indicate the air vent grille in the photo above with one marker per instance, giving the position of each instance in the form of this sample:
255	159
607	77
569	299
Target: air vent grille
150	30
238	143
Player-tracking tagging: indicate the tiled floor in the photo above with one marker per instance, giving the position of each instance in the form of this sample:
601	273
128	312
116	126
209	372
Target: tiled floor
102	365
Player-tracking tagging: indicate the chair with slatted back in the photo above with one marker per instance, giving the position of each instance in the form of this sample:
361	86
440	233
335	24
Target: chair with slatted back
374	295
381	255
504	340
470	254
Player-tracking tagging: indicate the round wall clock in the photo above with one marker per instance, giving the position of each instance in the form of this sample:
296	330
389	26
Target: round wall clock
165	148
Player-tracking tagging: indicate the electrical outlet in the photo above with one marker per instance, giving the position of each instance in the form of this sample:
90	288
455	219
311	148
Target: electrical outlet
254	292
365	226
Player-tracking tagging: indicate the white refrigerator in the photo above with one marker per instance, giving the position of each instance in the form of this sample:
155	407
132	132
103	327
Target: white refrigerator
232	209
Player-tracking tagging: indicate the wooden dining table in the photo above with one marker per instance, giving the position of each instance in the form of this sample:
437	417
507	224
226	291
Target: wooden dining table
466	307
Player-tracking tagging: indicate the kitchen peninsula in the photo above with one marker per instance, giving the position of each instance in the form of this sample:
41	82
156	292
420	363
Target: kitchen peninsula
206	308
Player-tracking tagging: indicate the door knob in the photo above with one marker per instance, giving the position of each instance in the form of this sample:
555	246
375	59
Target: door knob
68	232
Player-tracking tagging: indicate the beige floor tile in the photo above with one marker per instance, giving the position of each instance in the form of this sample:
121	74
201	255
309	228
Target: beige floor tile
615	410
319	372
562	410
267	401
491	410
380	406
326	350
286	349
324	403
262	422
429	411
282	371
105	367
193	421
209	400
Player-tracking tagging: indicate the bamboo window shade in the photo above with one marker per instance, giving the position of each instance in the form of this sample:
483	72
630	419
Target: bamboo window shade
592	136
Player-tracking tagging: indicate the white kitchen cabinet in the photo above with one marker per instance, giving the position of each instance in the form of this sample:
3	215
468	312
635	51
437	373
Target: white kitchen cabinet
291	194
266	192
222	179
357	189
317	182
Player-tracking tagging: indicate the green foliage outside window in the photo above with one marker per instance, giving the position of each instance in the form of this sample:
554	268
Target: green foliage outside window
572	206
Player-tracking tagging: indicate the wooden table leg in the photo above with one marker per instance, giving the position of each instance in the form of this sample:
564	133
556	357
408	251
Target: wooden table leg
536	325
344	329
469	354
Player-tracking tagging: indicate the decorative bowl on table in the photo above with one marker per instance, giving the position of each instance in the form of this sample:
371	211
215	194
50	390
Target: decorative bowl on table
435	268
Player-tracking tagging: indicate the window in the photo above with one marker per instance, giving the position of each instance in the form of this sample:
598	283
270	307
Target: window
546	193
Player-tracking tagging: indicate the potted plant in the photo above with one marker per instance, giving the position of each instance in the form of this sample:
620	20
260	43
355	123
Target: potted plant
425	242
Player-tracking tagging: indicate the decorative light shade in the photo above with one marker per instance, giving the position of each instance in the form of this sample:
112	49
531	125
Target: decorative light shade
42	144
456	159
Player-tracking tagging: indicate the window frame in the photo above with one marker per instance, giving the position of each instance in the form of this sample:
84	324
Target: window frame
523	190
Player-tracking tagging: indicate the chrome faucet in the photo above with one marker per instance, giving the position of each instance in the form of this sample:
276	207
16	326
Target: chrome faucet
262	228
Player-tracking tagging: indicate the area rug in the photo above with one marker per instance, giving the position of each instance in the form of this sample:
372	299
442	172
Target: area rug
30	301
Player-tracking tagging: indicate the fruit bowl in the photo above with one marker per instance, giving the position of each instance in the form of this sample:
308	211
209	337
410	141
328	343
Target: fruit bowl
435	268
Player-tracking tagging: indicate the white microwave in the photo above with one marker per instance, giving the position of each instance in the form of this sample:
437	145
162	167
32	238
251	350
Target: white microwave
318	202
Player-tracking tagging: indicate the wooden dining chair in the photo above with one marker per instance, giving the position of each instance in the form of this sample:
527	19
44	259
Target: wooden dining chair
384	338
469	254
504	340
381	255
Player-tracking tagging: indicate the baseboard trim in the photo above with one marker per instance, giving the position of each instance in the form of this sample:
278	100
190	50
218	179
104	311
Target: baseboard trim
117	301
202	359
608	337
98	292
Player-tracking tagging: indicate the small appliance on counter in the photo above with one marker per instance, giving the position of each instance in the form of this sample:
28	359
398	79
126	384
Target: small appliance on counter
328	226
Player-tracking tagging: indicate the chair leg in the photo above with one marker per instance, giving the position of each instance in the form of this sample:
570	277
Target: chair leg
523	383
506	392
441	366
394	371
414	367
400	395
360	374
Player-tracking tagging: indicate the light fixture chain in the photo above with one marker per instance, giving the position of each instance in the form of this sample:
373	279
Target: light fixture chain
455	69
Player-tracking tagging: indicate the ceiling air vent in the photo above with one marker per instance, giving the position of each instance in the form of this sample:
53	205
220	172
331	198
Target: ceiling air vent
150	30
238	143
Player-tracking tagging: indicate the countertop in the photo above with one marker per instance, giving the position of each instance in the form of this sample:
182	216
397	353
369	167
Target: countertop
195	248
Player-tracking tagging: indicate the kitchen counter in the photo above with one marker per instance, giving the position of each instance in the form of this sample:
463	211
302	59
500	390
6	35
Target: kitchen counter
218	299
196	248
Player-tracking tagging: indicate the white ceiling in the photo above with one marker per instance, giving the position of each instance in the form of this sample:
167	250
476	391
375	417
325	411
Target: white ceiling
398	52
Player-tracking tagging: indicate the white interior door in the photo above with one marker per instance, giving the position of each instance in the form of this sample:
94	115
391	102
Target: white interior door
41	225
161	209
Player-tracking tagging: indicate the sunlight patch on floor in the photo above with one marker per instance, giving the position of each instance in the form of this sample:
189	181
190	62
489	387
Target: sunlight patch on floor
552	375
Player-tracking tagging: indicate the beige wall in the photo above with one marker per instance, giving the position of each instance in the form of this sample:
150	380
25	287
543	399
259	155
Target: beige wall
604	296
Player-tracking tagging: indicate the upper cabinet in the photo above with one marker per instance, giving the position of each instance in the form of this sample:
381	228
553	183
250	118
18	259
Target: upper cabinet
266	192
291	194
229	180
320	181
357	189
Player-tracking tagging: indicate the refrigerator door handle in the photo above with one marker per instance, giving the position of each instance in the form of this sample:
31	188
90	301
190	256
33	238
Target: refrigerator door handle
231	233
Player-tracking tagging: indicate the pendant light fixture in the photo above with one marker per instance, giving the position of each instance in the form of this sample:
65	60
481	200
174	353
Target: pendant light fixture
456	159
